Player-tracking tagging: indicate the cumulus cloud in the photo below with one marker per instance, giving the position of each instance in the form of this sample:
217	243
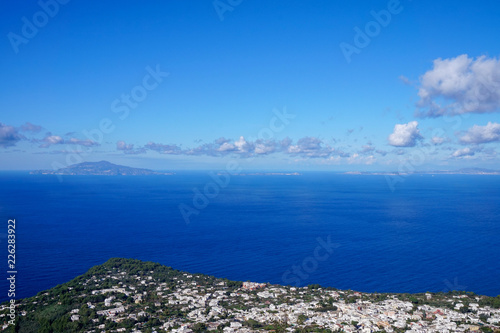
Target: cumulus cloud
221	141
310	147
482	134
464	153
85	143
307	147
285	143
367	149
307	144
9	136
405	135
164	149
50	140
437	140
264	147
129	148
204	149
121	145
241	147
219	147
460	85
359	159
29	127
227	147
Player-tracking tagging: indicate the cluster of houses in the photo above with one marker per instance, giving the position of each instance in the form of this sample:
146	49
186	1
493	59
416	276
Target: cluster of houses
255	307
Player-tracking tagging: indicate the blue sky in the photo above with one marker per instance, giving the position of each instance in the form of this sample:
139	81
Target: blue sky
296	85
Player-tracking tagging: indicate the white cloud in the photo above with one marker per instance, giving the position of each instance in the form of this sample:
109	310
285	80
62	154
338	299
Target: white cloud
359	159
129	148
464	153
85	143
121	145
285	143
226	146
242	145
9	136
367	149
164	149
262	147
405	135
460	85
310	147
50	140
482	134
307	147
437	140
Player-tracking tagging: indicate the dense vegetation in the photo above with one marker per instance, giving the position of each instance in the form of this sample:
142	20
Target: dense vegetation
51	310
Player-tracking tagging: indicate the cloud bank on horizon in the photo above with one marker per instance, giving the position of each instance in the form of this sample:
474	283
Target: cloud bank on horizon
205	95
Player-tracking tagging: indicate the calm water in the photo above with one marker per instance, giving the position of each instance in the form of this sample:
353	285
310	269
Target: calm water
430	234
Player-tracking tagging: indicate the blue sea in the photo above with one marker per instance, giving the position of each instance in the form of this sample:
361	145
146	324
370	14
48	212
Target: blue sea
429	233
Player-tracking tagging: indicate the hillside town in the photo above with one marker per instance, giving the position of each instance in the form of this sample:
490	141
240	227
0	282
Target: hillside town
125	295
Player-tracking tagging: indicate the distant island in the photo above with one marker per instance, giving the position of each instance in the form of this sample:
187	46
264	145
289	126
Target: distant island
466	171
102	168
269	174
127	295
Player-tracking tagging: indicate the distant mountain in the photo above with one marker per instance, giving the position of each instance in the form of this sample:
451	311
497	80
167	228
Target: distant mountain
466	171
102	168
478	171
